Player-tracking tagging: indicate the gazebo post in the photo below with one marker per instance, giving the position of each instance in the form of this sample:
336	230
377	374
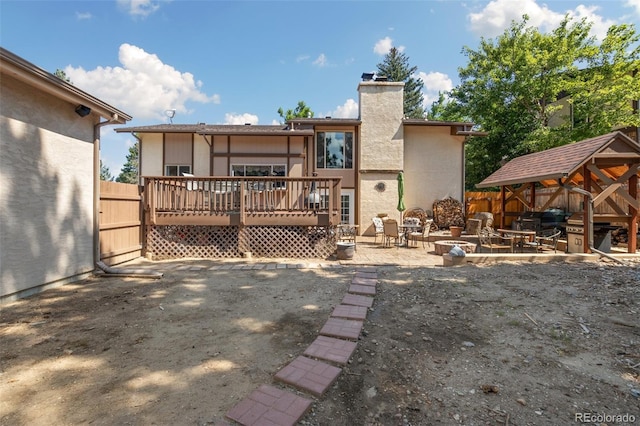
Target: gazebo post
503	207
632	239
586	206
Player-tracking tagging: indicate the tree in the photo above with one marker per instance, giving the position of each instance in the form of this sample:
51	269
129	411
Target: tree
129	172
62	75
512	85
301	111
105	173
395	66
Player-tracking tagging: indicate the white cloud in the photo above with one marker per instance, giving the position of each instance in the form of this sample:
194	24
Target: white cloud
321	61
347	110
383	46
143	87
434	83
302	58
635	4
240	118
497	15
81	16
138	8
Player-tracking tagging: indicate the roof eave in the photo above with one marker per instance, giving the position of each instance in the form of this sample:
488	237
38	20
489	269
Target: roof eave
47	82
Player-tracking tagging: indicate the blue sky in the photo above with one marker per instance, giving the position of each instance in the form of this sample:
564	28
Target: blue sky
238	61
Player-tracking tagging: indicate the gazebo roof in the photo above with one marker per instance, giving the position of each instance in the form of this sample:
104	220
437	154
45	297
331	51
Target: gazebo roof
612	152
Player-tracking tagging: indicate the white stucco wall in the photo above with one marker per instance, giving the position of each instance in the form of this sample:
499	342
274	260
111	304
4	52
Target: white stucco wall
46	196
434	165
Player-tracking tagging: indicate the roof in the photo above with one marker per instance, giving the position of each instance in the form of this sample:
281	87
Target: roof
29	73
612	152
219	129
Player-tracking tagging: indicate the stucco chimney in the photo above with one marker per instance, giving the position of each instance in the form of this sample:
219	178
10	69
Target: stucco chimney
381	131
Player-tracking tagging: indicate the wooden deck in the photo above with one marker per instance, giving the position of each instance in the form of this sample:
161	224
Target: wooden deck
242	201
227	217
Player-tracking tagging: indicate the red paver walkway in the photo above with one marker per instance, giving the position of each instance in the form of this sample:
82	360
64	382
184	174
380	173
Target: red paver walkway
338	327
309	375
331	349
268	405
357	300
350	312
271	406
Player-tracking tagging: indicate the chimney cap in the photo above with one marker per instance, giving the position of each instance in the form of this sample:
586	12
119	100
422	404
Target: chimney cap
381	78
367	76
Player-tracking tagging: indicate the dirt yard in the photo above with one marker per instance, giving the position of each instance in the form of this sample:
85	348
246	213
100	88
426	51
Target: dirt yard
505	344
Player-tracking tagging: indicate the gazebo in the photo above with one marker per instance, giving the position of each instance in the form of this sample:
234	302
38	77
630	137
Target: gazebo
595	168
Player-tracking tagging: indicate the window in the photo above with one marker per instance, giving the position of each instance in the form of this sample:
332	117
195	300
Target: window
176	170
258	170
334	150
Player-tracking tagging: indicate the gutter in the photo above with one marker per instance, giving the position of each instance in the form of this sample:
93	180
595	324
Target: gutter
590	219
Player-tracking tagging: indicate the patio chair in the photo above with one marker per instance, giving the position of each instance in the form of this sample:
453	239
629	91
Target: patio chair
423	234
379	228
486	238
391	232
547	240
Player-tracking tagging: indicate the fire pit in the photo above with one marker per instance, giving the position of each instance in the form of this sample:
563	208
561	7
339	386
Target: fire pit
445	246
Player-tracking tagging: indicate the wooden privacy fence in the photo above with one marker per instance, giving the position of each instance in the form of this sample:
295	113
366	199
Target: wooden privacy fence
120	222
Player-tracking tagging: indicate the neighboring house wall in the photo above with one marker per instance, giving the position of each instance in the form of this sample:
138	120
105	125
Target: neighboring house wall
46	199
381	149
151	155
433	165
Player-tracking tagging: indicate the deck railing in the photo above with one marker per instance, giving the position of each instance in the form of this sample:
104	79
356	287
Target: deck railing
241	196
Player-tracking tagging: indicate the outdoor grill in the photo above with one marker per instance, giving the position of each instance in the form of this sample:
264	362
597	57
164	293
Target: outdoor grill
576	240
538	221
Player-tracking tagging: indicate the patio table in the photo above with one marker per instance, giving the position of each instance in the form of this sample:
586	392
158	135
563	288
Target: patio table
522	237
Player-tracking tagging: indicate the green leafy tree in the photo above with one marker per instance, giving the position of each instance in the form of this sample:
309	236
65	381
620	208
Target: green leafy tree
105	173
62	75
129	172
300	111
395	66
531	91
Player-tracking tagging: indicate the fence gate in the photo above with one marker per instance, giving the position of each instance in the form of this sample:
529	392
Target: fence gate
120	222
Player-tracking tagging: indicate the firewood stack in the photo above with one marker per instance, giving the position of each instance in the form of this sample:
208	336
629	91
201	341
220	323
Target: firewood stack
448	212
618	236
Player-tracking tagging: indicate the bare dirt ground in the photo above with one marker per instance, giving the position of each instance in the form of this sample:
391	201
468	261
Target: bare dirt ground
509	343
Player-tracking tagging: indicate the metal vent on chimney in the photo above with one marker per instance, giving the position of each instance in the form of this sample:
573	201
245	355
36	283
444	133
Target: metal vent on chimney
367	76
381	78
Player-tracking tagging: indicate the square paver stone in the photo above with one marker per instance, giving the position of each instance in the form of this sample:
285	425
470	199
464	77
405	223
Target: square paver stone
357	300
343	328
350	312
373	275
309	375
364	281
367	290
331	349
269	405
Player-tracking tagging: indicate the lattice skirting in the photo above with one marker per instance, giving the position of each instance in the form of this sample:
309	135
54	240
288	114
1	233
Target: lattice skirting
297	242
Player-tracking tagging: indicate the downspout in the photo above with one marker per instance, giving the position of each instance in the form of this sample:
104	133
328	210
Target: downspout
96	186
590	219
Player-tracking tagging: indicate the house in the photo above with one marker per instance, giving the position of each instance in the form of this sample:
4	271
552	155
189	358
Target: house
353	163
49	160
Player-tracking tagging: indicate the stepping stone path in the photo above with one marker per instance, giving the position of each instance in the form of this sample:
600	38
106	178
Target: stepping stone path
313	372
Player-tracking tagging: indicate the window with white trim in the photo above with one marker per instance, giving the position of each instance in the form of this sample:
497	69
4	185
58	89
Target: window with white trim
176	170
